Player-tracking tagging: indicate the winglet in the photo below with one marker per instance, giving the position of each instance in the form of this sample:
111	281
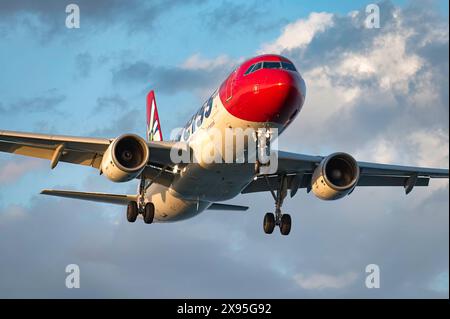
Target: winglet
154	132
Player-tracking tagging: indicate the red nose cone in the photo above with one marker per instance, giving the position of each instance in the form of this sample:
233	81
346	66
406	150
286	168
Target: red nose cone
280	99
268	95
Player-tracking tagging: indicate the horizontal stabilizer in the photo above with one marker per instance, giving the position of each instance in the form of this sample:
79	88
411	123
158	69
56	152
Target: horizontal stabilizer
217	206
95	197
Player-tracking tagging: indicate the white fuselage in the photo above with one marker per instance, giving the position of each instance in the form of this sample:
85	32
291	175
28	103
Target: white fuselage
200	184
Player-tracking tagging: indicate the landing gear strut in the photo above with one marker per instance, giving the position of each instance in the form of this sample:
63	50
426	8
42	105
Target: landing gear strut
271	220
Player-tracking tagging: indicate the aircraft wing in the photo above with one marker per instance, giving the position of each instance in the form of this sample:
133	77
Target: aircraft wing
123	199
298	169
76	150
94	197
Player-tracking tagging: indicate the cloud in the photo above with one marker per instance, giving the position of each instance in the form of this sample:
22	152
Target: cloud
198	62
396	113
251	16
83	64
103	244
196	73
440	283
47	18
111	102
127	122
430	148
300	33
46	102
379	87
323	281
11	171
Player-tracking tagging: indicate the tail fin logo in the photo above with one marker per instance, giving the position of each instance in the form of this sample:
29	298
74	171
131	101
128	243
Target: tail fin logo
154	132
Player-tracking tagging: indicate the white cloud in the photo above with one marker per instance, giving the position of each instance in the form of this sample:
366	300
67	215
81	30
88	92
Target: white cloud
198	62
381	150
432	147
428	148
300	33
324	281
390	73
10	171
13	213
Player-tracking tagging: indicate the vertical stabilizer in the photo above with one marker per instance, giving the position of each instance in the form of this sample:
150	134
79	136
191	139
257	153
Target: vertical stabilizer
154	132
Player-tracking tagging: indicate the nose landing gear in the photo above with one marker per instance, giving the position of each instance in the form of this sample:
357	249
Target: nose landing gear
271	220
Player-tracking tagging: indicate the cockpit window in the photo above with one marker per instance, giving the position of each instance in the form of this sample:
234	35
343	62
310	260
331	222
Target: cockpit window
272	65
288	66
257	66
249	70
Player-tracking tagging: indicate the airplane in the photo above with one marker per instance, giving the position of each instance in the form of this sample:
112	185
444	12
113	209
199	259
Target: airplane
264	92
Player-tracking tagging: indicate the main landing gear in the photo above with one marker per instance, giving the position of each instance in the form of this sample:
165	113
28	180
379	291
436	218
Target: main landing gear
148	212
271	220
146	209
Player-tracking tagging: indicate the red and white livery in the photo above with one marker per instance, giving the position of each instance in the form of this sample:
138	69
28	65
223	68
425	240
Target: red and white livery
265	92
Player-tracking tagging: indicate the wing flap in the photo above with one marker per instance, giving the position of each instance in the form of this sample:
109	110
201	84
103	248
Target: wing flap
377	180
94	197
268	183
227	207
398	170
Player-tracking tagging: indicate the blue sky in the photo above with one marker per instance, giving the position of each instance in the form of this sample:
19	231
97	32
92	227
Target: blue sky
93	80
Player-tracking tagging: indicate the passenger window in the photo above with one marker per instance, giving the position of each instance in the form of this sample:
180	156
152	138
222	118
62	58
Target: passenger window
272	65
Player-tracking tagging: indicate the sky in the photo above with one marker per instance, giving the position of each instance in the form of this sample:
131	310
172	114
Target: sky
380	94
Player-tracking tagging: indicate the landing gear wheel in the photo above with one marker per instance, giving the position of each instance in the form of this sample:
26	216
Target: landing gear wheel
285	224
132	212
269	223
149	213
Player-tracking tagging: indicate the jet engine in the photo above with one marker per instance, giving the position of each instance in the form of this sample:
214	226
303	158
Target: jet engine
125	158
335	177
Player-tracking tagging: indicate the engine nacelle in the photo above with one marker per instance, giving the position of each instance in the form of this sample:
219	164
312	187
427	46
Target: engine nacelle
125	158
335	177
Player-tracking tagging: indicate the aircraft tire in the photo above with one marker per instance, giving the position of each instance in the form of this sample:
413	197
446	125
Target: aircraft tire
285	225
149	213
269	223
132	212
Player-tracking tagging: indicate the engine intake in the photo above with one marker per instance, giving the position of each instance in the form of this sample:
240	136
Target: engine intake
335	177
125	158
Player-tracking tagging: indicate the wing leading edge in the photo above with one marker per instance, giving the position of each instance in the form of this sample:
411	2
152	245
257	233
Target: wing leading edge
76	150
